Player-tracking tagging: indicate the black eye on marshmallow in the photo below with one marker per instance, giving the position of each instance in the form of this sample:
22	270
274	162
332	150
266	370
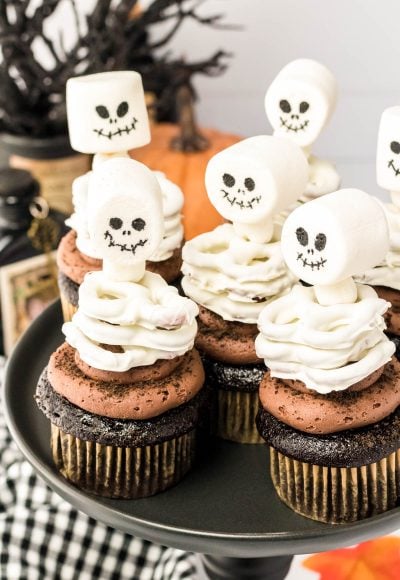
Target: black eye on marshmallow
249	183
304	106
395	147
122	109
138	224
285	106
302	236
320	242
228	180
102	111
115	223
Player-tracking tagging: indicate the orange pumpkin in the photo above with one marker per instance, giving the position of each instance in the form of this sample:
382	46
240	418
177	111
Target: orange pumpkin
187	169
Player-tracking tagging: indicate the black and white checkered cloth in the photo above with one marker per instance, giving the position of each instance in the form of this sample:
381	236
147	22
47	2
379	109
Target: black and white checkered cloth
42	537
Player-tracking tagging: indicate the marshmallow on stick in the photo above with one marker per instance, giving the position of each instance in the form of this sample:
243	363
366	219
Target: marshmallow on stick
125	216
254	179
328	240
299	104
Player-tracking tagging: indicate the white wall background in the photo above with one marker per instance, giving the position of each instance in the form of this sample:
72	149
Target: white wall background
358	40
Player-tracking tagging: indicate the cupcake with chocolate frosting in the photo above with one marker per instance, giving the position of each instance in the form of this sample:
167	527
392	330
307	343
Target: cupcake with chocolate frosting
124	392
330	400
234	270
109	129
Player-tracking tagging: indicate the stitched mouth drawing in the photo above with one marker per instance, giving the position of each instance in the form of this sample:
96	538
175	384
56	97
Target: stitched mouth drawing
392	165
243	204
294	128
313	265
123	247
117	132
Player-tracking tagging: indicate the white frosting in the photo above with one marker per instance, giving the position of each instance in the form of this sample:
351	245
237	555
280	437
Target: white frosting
323	178
387	273
150	321
328	348
232	276
172	201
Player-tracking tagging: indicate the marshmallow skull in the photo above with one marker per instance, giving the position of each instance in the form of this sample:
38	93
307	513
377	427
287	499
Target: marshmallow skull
335	236
125	219
388	150
256	178
107	112
300	100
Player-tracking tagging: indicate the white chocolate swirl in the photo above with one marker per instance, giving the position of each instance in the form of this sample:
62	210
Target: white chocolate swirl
172	202
388	272
233	276
328	348
149	320
172	198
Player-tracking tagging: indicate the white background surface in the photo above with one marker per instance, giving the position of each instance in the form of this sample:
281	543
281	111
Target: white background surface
358	40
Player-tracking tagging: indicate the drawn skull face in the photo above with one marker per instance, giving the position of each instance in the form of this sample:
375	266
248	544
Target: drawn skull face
335	236
125	212
107	112
300	100
255	178
388	150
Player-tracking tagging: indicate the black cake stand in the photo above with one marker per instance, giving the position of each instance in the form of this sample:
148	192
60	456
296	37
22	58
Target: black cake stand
225	508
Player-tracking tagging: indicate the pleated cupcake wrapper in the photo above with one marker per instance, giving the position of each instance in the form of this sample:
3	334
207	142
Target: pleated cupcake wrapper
68	309
337	494
122	472
236	416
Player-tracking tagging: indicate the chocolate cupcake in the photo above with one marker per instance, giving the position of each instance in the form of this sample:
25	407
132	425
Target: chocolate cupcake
233	271
107	117
124	393
330	401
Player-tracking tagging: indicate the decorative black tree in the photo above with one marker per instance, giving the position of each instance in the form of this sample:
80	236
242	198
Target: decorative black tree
114	36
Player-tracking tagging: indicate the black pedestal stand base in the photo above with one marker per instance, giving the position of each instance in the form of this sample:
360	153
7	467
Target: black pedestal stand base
226	506
219	568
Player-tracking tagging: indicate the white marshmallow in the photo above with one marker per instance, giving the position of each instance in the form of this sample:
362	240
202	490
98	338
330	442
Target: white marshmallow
329	239
125	219
254	179
300	100
388	150
107	112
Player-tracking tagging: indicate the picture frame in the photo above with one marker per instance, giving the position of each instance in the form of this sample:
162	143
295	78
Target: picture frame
26	288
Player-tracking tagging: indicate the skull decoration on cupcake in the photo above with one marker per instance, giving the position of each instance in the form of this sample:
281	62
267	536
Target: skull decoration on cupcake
385	277
331	396
299	104
107	116
232	271
125	387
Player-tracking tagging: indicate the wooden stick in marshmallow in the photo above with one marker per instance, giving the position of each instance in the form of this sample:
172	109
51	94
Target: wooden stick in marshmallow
328	240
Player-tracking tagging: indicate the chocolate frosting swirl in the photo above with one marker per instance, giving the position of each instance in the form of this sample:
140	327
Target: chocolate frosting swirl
314	413
140	399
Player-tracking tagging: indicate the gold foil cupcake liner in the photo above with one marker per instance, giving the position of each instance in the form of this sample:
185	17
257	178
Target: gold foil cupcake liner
68	309
236	416
122	472
337	494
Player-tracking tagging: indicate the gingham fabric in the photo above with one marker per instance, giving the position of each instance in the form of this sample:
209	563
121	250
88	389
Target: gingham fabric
42	537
